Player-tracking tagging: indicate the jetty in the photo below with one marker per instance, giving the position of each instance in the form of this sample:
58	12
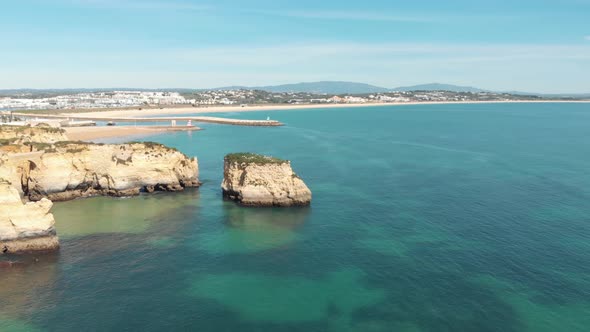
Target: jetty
175	119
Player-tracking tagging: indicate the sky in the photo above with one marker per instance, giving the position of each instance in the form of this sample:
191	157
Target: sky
525	45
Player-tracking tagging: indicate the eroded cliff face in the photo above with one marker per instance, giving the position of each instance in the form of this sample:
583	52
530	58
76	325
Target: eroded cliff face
13	171
258	181
74	169
25	227
41	163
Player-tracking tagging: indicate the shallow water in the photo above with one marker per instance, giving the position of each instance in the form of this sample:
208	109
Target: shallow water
425	218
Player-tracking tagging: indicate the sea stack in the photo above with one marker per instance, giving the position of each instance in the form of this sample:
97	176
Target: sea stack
26	227
262	181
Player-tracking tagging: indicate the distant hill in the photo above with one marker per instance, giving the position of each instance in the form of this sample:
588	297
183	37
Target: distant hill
233	87
324	87
438	87
327	87
552	95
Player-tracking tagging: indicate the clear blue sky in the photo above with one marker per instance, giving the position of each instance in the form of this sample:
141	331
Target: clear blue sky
541	46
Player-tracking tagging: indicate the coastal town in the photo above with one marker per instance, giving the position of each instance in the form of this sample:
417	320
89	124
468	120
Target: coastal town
238	97
114	99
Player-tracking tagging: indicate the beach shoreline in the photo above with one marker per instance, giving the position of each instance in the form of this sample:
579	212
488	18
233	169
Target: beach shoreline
269	108
102	132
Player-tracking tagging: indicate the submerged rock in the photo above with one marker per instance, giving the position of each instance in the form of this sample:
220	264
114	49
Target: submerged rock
75	169
255	180
25	227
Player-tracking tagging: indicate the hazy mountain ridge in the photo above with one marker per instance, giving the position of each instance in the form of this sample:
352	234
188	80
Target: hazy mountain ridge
341	87
439	87
321	87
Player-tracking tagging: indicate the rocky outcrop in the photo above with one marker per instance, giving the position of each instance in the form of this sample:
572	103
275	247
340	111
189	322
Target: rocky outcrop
69	170
255	180
25	227
13	171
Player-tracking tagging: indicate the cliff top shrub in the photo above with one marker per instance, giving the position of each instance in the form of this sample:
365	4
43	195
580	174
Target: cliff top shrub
66	143
47	147
22	129
253	158
154	145
8	141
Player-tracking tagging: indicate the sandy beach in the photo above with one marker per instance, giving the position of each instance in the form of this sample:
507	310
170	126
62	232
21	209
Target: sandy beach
94	133
254	108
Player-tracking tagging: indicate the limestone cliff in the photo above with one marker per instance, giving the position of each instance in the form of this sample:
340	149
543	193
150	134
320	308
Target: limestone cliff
255	180
13	171
25	227
69	170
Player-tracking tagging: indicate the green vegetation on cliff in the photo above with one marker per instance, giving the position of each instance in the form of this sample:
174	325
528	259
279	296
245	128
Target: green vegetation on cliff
253	158
29	129
8	141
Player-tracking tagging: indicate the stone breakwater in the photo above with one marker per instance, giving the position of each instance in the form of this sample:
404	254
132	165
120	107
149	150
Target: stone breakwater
255	180
70	170
25	227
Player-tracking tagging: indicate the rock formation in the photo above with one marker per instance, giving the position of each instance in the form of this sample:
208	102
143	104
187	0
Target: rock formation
255	180
40	162
16	143
69	170
25	227
13	171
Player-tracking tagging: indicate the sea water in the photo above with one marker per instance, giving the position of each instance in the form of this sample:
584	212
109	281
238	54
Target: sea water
424	218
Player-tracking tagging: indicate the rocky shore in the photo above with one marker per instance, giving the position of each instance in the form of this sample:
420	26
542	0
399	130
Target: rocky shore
261	181
39	165
24	227
71	170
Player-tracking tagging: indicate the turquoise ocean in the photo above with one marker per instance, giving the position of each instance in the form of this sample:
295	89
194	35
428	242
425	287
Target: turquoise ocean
424	218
